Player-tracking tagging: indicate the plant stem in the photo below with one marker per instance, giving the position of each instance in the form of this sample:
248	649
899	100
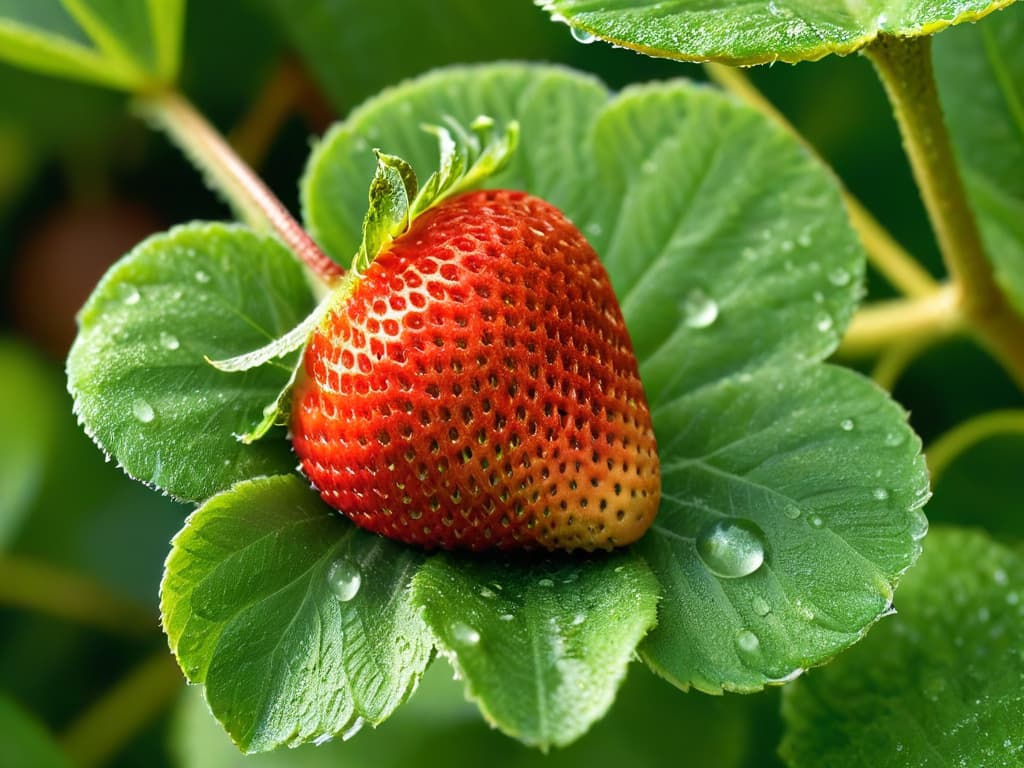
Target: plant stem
51	591
875	327
896	359
943	451
252	201
887	256
123	711
905	68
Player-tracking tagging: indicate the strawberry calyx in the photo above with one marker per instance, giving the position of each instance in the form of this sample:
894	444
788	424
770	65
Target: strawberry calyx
467	159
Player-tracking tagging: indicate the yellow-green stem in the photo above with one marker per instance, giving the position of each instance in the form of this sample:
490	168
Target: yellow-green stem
877	326
887	256
111	722
48	590
945	450
226	172
905	68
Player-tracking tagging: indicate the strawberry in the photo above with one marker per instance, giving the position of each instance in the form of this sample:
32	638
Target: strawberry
478	389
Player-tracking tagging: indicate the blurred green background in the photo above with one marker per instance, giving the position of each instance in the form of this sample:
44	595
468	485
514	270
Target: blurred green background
82	180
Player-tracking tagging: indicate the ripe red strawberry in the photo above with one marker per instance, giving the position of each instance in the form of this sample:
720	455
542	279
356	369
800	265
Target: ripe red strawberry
477	388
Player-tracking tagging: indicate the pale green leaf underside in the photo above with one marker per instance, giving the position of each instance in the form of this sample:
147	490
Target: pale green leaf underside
729	250
542	646
740	32
937	685
980	73
139	373
122	44
299	624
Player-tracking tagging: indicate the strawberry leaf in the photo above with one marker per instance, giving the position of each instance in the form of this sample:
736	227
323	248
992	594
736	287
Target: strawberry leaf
980	75
949	662
138	371
298	623
743	33
543	646
737	272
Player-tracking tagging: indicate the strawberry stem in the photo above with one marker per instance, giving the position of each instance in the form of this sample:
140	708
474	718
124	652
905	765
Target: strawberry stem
227	173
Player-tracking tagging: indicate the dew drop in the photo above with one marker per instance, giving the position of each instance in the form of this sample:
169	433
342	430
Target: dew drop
202	277
143	411
463	634
823	322
747	642
816	521
322	739
132	295
761	607
169	341
699	310
506	617
846	425
918	525
892	439
880	494
487	593
578	619
344	579
792	511
731	547
839	277
546	583
582	35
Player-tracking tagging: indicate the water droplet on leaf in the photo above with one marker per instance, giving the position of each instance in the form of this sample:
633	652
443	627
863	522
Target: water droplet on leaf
344	578
839	277
846	425
582	35
816	521
761	607
699	310
880	494
823	322
731	547
792	511
747	642
169	341
463	634
143	411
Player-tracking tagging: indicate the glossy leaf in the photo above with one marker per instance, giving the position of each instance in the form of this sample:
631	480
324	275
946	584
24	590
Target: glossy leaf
139	373
299	624
30	398
26	742
790	507
738	32
543	646
938	684
980	73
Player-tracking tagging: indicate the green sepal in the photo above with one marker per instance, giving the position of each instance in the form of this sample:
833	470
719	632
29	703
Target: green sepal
467	159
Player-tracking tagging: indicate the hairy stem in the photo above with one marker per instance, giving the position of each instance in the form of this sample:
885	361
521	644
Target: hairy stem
905	68
38	587
887	256
876	327
945	450
111	722
226	172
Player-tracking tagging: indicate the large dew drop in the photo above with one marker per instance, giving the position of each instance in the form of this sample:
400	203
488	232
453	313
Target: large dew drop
582	35
464	635
143	411
344	578
699	310
731	547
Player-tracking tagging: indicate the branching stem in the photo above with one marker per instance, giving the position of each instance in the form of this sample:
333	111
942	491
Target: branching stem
877	326
905	68
226	172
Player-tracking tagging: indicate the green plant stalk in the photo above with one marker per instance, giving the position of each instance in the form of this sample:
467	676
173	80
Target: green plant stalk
227	173
887	256
945	450
905	68
110	723
926	319
42	588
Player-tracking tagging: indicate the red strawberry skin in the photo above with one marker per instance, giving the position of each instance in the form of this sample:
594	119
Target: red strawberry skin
477	389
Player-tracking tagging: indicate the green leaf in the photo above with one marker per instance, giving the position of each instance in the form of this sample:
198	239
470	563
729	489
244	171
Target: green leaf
543	646
30	399
299	624
938	684
138	371
27	741
742	33
737	272
648	721
790	507
980	73
135	42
